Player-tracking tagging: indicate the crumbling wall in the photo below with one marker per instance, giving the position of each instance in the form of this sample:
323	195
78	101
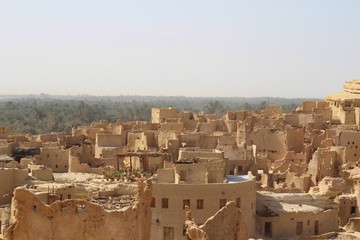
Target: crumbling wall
76	166
347	203
295	139
18	138
207	127
292	119
324	163
173	147
226	224
7	148
353	225
351	140
240	159
302	120
230	126
88	132
55	158
171	126
234	152
347	117
270	141
330	187
239	115
166	175
4	219
326	113
208	142
184	115
43	174
74	140
9	179
294	162
192	153
300	182
242	132
164	137
110	140
190	124
202	172
47	138
159	115
317	137
79	219
308	106
189	140
243	193
132	137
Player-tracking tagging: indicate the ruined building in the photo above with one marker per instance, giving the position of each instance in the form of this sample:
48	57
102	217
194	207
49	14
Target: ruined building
197	180
249	174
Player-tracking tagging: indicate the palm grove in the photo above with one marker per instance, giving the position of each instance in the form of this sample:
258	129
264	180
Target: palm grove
34	114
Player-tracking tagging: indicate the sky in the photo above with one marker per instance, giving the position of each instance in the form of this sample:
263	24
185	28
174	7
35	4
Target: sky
210	48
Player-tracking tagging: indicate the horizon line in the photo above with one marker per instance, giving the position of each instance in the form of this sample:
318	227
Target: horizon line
138	95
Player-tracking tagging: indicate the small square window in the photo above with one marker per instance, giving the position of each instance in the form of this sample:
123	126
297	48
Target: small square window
165	203
152	204
186	202
222	202
353	210
200	203
238	202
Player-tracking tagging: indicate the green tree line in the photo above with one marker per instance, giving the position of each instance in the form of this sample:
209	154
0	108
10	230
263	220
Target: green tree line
44	114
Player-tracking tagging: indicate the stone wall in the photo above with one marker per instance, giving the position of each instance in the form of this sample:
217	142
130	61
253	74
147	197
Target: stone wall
9	179
173	216
55	158
226	224
79	219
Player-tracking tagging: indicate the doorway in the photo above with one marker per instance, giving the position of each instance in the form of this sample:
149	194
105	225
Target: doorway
299	228
316	227
182	175
268	229
168	233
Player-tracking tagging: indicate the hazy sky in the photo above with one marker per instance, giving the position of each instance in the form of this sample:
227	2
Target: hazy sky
189	47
